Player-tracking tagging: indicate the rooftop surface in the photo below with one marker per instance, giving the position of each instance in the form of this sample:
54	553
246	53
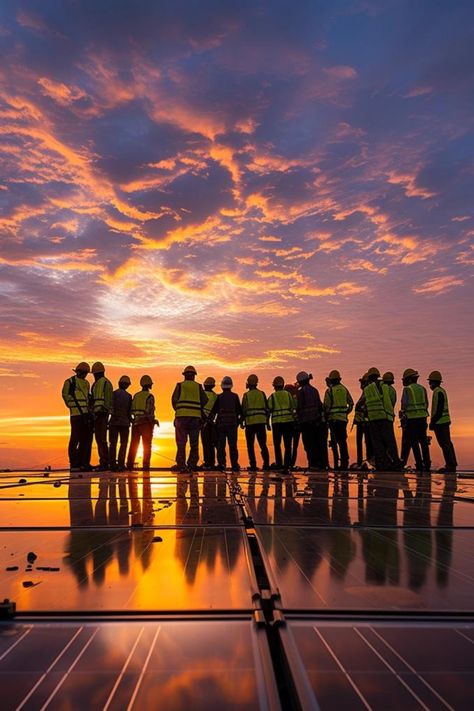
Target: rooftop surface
316	590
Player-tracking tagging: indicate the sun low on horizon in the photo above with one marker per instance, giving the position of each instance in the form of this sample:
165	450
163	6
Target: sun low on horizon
246	187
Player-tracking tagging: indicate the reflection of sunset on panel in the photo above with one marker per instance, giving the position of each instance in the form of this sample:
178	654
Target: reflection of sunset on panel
270	187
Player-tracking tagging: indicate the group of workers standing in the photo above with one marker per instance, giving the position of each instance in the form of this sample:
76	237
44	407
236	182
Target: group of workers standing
291	412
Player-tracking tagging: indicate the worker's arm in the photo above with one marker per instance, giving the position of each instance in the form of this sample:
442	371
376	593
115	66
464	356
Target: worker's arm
175	395
69	401
108	396
203	395
350	402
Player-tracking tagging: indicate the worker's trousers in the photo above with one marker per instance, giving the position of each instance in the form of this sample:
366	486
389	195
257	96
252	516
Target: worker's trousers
258	431
385	445
80	442
282	430
143	431
338	430
209	444
227	433
443	436
100	430
187	427
417	430
116	431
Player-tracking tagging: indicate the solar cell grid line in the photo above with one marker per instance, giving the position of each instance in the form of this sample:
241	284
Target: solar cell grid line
69	670
465	636
343	670
413	670
389	666
12	646
142	673
51	666
123	670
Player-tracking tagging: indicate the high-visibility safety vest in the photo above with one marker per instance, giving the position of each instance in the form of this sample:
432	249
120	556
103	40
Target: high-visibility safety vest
211	398
393	394
102	393
445	418
189	403
378	403
76	395
336	402
417	401
281	406
253	407
143	407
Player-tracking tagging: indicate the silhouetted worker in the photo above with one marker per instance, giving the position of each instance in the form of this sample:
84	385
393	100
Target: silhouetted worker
338	404
414	410
188	401
309	410
75	394
101	405
361	422
440	421
119	425
208	431
381	416
282	410
255	421
143	423
227	412
295	440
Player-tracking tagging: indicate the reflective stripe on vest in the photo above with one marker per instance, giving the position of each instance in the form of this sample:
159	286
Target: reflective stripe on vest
211	398
445	418
139	403
98	395
376	402
338	399
280	404
253	405
189	403
80	387
417	401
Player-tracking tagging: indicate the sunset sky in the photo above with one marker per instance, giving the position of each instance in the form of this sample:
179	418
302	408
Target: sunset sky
245	186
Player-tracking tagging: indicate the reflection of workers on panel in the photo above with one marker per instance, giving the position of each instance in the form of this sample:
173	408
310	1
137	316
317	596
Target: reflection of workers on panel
283	413
440	421
338	403
208	431
414	412
75	394
101	405
119	425
188	400
143	416
255	421
227	411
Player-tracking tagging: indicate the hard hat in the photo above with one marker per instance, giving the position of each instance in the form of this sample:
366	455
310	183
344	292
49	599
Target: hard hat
373	371
125	379
409	372
334	375
210	381
146	380
226	382
98	367
278	381
435	375
190	369
388	377
302	376
252	379
84	367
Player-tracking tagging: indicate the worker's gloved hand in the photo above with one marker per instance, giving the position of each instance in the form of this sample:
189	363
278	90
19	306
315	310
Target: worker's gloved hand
156	423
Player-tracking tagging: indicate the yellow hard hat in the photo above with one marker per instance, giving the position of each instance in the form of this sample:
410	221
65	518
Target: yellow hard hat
278	381
252	379
98	367
388	377
409	372
373	371
210	381
190	369
146	380
125	379
435	375
334	375
84	367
